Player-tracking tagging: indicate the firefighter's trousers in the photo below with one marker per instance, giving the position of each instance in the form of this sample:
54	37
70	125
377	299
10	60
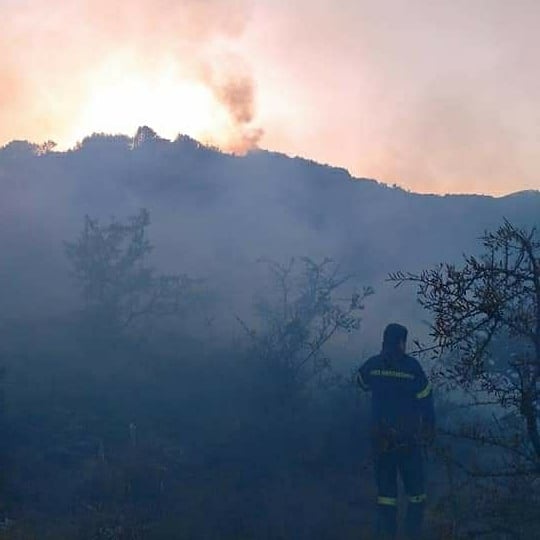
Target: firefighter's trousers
405	460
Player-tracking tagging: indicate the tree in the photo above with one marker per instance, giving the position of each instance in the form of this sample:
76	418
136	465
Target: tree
486	333
486	320
305	315
110	266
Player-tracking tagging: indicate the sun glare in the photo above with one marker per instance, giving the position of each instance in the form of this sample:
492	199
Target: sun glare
165	102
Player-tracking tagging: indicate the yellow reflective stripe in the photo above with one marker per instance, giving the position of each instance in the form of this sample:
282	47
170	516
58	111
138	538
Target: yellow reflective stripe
417	498
361	382
391	373
425	392
387	501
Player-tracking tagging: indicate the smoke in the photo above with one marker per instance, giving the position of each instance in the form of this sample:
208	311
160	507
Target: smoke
57	57
237	95
9	89
250	139
437	96
233	85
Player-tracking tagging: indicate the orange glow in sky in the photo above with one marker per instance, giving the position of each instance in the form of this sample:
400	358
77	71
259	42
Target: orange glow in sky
120	100
434	96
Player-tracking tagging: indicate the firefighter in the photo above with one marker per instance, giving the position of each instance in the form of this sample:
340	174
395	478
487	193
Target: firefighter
403	421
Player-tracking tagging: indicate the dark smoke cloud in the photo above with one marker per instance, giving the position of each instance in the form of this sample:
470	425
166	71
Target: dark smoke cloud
233	85
237	95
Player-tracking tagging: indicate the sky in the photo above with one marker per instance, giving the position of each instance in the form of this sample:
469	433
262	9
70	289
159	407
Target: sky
438	96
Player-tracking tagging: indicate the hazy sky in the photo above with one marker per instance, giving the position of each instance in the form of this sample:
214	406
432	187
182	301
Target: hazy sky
435	95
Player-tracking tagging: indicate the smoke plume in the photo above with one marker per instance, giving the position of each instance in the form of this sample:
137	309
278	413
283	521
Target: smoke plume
58	56
233	85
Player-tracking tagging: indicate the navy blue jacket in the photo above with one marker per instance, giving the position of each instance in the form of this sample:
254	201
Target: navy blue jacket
401	397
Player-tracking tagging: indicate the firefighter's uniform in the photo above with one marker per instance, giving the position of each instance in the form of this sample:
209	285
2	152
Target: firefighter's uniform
402	417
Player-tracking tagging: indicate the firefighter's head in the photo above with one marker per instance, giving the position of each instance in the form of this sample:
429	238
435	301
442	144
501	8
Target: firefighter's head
395	338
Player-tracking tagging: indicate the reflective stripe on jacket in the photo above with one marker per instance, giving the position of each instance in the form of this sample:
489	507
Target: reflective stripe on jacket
402	399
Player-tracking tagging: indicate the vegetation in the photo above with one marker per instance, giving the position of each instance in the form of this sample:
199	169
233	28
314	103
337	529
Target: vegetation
176	436
486	330
118	287
303	314
138	416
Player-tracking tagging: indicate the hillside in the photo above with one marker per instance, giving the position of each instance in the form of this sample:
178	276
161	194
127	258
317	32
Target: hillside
188	426
213	214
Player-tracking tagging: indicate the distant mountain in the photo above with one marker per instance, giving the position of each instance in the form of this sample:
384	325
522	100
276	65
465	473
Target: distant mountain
215	214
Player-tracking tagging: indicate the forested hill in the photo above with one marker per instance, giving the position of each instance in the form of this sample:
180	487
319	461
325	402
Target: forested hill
213	214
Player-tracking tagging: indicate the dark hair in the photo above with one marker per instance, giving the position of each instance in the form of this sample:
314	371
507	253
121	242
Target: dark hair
393	335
